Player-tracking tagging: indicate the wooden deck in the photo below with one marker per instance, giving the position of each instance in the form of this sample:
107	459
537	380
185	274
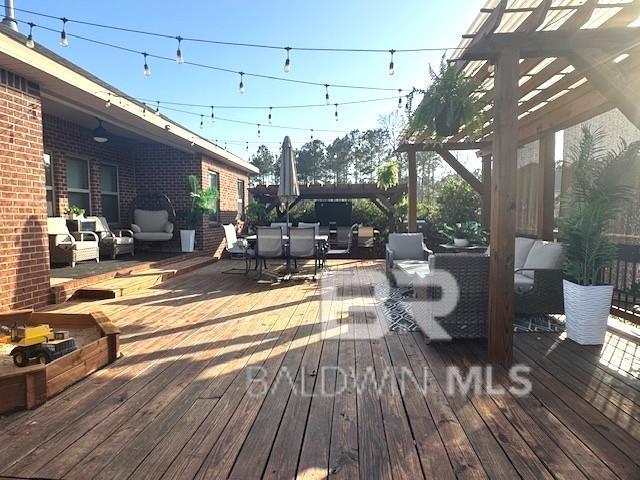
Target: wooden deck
226	377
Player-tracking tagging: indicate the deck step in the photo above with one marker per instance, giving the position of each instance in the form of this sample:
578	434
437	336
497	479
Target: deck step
134	281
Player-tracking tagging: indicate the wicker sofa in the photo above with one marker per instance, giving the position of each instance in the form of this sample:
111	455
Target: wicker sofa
66	247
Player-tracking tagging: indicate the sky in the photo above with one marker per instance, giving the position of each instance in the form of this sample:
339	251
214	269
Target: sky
401	24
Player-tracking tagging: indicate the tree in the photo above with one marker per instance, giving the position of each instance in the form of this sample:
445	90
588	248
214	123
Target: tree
264	160
310	160
457	201
338	160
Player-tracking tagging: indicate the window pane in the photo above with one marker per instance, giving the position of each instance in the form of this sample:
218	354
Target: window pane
110	208
80	200
77	174
108	178
47	176
240	198
214	181
50	208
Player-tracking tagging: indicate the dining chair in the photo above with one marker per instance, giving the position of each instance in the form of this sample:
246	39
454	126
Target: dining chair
237	248
302	244
269	244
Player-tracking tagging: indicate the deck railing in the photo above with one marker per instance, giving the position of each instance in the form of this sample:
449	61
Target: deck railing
624	275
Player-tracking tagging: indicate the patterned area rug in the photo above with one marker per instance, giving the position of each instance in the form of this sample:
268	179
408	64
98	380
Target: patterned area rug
399	315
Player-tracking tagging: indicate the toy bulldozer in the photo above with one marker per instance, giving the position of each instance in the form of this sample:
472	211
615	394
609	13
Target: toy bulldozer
39	342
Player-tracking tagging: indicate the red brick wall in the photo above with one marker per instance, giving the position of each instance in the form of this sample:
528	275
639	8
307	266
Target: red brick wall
24	257
63	139
212	232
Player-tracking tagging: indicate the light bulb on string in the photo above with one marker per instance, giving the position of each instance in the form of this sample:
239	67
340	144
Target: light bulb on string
30	43
108	102
399	99
312	134
179	57
241	85
392	68
144	109
326	93
158	107
146	70
201	122
64	42
259	131
213	115
287	62
336	113
270	108
247	147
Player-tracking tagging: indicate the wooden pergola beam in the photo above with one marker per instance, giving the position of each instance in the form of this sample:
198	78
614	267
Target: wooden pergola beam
546	185
431	147
552	43
413	192
486	191
610	82
460	169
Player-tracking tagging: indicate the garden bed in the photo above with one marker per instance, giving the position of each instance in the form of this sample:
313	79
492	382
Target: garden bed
97	341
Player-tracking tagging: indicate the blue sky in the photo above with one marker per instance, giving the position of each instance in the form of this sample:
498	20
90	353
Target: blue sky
344	24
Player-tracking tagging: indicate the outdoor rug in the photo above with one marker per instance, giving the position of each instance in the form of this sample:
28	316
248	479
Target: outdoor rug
399	316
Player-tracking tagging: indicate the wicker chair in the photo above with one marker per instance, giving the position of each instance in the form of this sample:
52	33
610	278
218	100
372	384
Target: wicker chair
113	242
65	247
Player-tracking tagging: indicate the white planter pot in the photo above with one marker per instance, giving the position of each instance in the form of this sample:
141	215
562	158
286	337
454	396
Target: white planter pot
460	242
187	240
587	312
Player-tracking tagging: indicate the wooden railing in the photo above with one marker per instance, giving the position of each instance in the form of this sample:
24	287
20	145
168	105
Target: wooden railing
624	275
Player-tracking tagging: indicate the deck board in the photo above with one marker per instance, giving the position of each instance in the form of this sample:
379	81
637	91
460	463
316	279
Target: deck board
187	401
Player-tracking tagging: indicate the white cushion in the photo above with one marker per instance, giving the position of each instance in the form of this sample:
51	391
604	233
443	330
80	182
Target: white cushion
522	283
168	228
522	249
406	246
135	228
543	255
122	240
85	245
151	220
153	236
57	226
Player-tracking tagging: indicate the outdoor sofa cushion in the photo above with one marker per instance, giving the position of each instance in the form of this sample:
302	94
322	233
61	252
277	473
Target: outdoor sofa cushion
85	245
543	255
151	220
135	228
154	236
406	246
522	283
522	249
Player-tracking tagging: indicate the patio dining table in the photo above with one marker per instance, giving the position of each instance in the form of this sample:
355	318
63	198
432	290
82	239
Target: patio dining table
320	239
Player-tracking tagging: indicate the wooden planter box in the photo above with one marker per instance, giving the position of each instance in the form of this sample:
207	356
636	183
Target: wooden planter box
28	387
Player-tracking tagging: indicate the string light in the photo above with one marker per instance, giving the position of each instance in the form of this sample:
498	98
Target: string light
247	147
336	114
30	43
213	115
158	107
108	103
241	85
64	42
392	68
179	57
146	70
326	93
312	134
287	62
258	130
144	109
270	122
399	99
201	122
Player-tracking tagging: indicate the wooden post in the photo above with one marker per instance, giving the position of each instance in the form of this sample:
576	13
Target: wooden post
546	185
486	191
413	192
503	207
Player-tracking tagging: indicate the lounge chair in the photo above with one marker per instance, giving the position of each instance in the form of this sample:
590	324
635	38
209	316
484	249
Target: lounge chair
113	242
66	247
151	225
237	248
405	248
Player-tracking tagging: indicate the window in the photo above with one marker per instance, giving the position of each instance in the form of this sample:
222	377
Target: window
78	184
48	185
214	181
240	198
109	193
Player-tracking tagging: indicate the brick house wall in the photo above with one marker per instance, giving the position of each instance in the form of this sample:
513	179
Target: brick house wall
24	257
212	232
64	139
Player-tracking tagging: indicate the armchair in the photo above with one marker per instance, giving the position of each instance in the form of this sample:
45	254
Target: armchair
65	247
151	225
407	248
113	242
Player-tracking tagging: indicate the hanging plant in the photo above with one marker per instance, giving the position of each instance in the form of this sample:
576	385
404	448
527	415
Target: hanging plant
451	101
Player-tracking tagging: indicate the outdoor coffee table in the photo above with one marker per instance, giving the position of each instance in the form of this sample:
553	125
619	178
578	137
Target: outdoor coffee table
415	274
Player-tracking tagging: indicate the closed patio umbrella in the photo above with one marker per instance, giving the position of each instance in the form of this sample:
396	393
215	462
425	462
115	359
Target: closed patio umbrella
289	189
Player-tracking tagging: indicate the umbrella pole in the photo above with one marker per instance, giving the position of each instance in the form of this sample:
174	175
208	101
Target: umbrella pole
289	244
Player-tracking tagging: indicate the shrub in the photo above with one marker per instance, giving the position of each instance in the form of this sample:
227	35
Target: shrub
457	201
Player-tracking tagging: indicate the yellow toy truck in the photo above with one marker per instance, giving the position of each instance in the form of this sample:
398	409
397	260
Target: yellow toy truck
39	342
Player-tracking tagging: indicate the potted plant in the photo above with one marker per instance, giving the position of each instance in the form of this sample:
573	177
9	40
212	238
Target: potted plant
465	234
597	194
450	101
74	212
202	202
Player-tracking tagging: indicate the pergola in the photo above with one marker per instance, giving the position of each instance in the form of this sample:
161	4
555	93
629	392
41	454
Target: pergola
543	66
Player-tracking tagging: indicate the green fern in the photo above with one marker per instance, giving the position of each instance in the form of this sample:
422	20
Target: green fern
600	187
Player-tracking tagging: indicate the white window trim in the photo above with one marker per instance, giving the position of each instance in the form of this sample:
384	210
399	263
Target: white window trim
113	194
217	174
80	190
50	188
